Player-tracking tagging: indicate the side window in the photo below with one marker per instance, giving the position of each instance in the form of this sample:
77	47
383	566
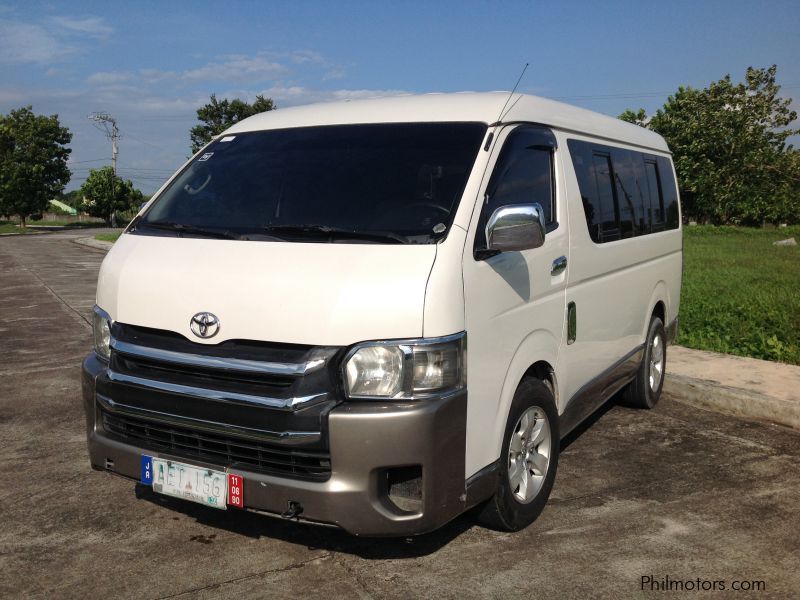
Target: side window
670	192
657	220
604	185
523	174
624	193
631	192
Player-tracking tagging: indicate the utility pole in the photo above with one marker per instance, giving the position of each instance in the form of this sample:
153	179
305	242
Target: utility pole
109	124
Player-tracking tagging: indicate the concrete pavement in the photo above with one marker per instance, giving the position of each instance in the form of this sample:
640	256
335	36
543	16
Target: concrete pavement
745	387
675	492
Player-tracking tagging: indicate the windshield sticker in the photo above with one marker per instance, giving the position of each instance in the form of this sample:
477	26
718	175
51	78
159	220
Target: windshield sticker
205	157
228	138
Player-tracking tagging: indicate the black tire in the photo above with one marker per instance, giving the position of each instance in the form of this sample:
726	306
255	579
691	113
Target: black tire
505	511
641	393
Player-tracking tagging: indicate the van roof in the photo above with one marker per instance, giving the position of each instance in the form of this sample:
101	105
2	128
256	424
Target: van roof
464	106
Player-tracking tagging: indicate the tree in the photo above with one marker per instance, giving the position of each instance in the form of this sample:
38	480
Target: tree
637	118
72	198
105	193
218	115
33	162
729	148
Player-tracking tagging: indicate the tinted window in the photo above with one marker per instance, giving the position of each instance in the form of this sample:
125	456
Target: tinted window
630	179
657	220
523	175
670	191
402	179
625	193
608	216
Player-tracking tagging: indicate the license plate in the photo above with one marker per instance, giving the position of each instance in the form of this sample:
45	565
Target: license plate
180	480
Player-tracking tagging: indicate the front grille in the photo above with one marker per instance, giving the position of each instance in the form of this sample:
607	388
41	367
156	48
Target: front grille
220	449
254	383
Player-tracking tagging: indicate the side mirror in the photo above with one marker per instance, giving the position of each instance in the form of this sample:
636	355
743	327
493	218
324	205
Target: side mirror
515	227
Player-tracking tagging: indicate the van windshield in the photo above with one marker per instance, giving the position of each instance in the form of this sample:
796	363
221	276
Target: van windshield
383	183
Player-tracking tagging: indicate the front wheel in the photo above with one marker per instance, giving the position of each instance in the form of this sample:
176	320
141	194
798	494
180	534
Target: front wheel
528	461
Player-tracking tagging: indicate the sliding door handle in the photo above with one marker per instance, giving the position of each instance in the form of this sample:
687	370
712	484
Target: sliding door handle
559	265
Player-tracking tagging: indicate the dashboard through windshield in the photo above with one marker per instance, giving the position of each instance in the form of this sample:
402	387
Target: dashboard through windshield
381	183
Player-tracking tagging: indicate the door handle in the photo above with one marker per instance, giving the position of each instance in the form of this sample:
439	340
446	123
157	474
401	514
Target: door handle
559	265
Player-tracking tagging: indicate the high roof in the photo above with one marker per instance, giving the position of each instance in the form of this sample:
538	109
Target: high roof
466	106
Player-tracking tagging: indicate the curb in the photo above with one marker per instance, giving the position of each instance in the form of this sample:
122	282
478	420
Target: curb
732	401
93	243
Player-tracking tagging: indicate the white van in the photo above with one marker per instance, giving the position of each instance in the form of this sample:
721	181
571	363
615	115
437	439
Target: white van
378	314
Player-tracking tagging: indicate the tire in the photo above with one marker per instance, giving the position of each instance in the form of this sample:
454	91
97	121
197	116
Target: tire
645	390
522	494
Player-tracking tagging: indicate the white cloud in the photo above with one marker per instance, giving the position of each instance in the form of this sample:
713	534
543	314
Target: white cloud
365	94
95	27
55	39
156	75
108	77
236	68
296	95
306	56
28	43
334	73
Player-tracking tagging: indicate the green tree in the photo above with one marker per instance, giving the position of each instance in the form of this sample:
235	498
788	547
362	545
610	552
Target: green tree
216	116
104	194
729	148
33	162
637	118
72	198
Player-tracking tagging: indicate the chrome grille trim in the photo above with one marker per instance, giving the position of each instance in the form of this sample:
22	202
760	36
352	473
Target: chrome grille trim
288	438
215	362
210	394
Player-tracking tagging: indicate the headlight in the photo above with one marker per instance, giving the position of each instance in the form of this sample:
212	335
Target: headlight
101	324
406	368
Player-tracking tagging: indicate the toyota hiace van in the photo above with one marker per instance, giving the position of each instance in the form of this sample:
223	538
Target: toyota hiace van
378	314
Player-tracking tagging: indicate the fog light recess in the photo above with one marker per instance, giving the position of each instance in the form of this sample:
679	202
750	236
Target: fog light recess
404	487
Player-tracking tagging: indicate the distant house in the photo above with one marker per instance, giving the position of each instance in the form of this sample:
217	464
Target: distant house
64	207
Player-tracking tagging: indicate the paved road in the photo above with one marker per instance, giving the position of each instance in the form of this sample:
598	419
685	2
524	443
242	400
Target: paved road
675	492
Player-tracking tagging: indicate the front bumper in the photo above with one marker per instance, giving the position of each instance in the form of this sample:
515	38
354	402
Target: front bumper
367	441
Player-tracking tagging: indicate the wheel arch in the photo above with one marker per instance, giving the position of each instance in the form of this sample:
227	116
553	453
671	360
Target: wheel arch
659	304
535	356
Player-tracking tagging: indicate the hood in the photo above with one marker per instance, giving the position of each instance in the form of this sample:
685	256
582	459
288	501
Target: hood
301	293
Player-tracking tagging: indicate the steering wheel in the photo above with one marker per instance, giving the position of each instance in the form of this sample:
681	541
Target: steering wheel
189	189
433	205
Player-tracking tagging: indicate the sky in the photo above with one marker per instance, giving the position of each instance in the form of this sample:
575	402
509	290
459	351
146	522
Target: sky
153	64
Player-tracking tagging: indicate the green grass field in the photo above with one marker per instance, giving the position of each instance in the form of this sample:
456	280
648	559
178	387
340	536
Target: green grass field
70	224
108	237
11	227
741	294
39	226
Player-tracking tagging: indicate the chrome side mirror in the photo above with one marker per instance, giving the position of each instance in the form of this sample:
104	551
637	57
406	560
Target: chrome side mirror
515	227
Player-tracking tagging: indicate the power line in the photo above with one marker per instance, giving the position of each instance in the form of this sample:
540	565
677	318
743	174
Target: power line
80	162
112	133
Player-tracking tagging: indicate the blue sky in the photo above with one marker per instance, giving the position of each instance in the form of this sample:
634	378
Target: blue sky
152	64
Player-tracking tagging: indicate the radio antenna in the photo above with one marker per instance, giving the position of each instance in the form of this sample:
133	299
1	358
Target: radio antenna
500	117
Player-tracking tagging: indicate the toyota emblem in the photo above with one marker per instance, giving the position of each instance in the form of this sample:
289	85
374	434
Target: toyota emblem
204	325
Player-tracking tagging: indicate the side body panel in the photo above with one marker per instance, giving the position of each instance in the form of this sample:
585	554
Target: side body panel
514	315
615	287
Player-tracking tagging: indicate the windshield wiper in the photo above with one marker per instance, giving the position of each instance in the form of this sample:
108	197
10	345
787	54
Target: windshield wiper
334	232
190	229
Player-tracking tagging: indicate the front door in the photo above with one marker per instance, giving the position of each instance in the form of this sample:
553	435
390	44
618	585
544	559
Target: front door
515	300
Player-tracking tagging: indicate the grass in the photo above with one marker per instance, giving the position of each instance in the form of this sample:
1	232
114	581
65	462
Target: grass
65	223
39	226
108	237
11	227
741	294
